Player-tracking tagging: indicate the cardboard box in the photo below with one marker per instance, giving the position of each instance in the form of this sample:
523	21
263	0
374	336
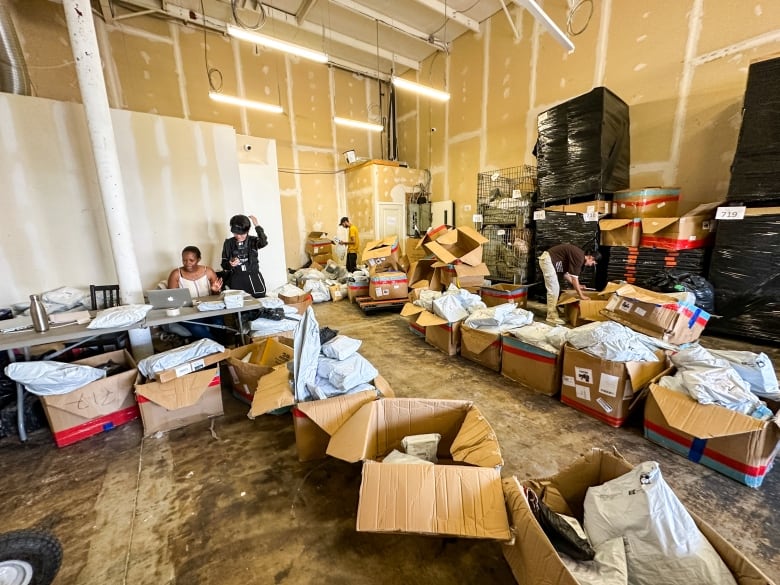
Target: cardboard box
432	235
480	346
181	402
738	446
620	232
315	422
388	285
382	255
462	245
532	557
656	314
300	302
318	243
444	336
599	206
191	366
579	312
451	500
651	202
603	389
695	229
419	319
422	274
97	407
264	356
357	289
414	250
338	292
532	366
320	258
498	294
461	275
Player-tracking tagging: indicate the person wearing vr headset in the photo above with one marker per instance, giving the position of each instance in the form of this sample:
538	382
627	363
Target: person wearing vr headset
239	256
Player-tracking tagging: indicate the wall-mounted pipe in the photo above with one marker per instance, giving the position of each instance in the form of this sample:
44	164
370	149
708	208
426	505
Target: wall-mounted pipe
13	69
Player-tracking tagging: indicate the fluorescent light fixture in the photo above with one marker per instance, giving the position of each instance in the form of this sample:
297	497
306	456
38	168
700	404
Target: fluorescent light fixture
436	94
237	101
540	15
272	43
358	124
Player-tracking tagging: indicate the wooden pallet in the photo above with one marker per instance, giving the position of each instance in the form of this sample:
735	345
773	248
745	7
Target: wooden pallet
369	305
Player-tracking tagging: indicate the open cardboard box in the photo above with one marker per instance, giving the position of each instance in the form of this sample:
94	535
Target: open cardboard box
97	407
620	232
264	357
462	245
604	389
461	275
532	557
736	445
658	315
536	368
579	312
439	332
318	244
481	346
694	229
498	294
382	255
460	498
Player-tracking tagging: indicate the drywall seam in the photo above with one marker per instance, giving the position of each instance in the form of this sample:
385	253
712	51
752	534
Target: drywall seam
485	95
143	34
603	43
316	149
180	77
234	46
530	120
405	117
694	31
446	160
113	85
367	87
464	136
744	45
294	153
340	186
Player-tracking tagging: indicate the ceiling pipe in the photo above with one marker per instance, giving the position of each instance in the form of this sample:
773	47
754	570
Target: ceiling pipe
13	69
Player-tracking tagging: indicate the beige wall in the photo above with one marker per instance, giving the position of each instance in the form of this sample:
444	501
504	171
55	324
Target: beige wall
681	67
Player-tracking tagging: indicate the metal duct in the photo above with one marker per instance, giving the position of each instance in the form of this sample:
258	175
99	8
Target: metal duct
13	70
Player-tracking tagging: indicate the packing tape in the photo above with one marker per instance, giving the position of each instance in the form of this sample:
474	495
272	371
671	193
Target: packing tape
173	312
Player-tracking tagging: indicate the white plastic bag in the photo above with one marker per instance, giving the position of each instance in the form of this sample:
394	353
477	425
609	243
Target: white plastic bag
449	307
166	360
121	316
396	456
608	567
320	292
45	378
347	373
341	347
663	544
755	368
611	341
306	352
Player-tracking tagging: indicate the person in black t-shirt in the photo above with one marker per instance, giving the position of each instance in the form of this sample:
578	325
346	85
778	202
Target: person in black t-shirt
239	256
568	260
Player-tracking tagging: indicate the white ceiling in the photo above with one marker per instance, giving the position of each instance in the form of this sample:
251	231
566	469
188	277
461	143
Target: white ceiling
370	36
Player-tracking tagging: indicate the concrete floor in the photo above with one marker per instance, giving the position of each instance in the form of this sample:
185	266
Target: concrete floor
230	503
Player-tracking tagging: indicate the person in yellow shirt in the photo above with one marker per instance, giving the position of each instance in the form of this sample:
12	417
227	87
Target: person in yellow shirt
353	243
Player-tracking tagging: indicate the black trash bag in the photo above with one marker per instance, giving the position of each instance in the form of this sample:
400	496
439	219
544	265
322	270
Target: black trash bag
677	280
326	334
561	534
274	314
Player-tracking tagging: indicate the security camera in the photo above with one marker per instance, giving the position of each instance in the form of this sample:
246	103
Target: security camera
247	147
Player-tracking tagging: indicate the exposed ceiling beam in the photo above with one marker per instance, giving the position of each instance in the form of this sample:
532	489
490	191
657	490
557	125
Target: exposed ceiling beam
387	21
445	10
344	39
304	10
105	8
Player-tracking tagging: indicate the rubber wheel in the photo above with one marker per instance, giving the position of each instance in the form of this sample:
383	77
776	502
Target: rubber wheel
29	557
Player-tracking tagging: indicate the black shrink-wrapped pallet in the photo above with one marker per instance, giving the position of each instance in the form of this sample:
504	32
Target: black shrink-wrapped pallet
745	271
755	171
559	227
583	147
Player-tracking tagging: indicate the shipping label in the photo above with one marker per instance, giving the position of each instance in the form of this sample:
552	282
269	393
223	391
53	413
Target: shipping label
608	385
582	392
568	381
583	375
604	405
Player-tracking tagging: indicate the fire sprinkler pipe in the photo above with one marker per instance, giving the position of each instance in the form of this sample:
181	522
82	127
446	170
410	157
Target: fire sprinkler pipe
83	40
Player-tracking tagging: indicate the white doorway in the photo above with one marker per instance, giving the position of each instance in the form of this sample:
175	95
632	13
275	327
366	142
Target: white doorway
390	220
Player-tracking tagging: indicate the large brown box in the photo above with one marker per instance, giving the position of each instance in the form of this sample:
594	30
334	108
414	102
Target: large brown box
388	285
620	232
532	366
695	229
445	337
481	347
650	202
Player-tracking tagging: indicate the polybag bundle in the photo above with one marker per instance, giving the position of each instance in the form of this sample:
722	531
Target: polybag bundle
755	368
48	377
323	388
306	353
262	326
517	318
348	373
166	360
542	335
273	302
121	316
490	316
318	289
450	308
608	567
341	347
611	341
426	299
288	290
66	298
205	306
663	544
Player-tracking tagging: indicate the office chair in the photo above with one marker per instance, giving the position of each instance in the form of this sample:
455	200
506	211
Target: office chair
109	295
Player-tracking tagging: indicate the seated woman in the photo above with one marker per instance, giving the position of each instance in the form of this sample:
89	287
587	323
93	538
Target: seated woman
201	281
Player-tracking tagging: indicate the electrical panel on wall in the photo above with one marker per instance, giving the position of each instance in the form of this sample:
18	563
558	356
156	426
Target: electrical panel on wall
443	212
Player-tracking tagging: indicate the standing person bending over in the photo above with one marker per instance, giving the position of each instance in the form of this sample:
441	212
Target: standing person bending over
239	256
353	243
201	281
568	260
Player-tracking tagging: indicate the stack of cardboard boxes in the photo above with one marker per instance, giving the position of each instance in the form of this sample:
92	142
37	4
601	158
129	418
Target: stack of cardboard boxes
319	247
387	278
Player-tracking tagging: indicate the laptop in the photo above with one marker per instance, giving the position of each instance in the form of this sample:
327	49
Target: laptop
169	298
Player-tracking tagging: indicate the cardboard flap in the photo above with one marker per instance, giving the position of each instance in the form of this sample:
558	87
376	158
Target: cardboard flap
704	209
607	225
446	500
651	225
427	319
179	392
353	438
647	296
476	443
477	341
273	391
381	384
330	414
703	421
98	398
380	248
640	373
432	234
410	310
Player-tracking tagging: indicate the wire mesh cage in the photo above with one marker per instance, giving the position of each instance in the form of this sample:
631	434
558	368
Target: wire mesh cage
504	196
508	253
